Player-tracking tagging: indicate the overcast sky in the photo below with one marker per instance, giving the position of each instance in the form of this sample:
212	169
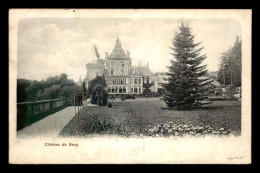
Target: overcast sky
48	47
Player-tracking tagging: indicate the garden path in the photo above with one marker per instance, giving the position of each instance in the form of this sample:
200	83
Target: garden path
49	126
88	102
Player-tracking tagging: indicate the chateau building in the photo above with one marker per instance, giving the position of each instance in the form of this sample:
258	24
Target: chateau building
121	77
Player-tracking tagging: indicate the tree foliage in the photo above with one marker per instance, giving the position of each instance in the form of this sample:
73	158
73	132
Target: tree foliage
230	67
186	89
147	85
99	95
55	87
98	80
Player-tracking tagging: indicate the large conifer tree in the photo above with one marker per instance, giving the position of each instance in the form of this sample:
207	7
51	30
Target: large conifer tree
187	86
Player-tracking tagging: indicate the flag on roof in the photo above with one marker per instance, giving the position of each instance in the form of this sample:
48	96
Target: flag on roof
97	54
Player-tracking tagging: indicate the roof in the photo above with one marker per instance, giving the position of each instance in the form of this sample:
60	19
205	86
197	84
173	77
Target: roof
134	71
145	71
214	82
118	52
160	78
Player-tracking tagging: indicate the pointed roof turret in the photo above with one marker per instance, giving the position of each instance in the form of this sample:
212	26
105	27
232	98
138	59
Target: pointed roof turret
118	51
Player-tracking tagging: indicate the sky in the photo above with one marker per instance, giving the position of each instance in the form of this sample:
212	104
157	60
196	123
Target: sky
49	47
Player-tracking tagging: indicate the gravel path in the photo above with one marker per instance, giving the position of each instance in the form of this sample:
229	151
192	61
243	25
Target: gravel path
49	126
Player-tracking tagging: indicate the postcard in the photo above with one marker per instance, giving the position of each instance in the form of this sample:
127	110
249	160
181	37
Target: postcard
130	86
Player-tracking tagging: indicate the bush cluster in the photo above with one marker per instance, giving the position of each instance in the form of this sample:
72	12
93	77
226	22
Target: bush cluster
109	105
96	126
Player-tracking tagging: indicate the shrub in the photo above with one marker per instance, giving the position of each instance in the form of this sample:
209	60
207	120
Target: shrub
109	105
220	98
96	126
230	91
111	96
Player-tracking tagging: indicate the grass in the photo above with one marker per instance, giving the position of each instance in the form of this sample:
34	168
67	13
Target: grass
136	115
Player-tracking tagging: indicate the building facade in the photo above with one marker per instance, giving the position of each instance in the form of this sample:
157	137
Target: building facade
121	77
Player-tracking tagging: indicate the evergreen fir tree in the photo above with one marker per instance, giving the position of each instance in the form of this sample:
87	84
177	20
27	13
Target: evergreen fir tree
187	85
230	66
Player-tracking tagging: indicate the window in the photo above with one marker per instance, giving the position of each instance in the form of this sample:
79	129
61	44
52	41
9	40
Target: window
122	71
135	90
114	81
120	89
112	64
116	89
135	81
112	71
132	90
124	89
123	64
108	90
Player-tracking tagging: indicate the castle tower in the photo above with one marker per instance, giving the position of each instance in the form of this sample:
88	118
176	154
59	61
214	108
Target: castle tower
118	62
95	69
118	65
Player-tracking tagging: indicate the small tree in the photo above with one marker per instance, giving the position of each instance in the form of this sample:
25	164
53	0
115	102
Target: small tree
84	89
99	95
185	88
147	85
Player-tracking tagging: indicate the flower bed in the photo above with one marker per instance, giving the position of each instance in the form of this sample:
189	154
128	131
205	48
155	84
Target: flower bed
170	129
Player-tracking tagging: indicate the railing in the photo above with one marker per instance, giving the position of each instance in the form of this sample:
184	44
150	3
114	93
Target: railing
27	112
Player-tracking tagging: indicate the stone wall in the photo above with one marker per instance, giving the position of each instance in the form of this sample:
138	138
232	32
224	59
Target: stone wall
28	111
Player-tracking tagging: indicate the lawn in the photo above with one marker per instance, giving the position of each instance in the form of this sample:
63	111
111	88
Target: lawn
136	115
